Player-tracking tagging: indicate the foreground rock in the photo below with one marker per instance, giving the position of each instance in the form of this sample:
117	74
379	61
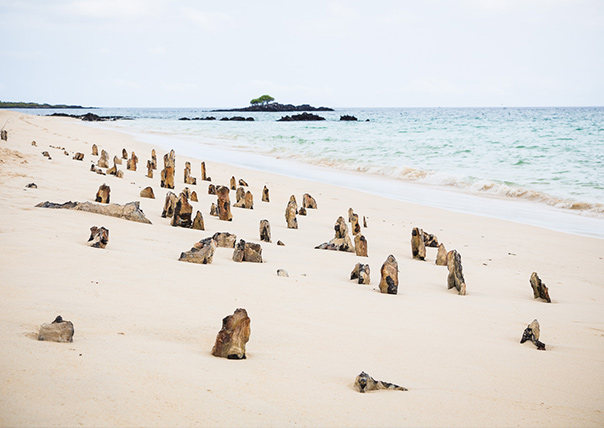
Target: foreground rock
362	273
531	332
354	224
198	222
102	195
455	278
167	174
540	291
103	161
364	383
223	206
430	240
225	239
99	237
246	200
418	247
265	231
341	241
169	205
132	162
265	195
131	211
233	336
182	212
360	245
57	331
247	252
389	272
202	252
189	179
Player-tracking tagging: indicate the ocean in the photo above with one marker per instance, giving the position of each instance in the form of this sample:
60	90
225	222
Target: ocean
542	166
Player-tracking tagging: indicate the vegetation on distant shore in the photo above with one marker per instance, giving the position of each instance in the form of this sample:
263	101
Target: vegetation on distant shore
263	100
20	104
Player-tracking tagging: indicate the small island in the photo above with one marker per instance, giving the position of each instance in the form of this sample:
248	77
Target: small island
265	104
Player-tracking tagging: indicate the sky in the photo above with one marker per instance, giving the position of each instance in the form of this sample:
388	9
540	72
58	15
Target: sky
378	53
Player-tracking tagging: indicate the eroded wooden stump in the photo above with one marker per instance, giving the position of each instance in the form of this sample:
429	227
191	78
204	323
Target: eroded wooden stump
95	149
233	336
430	240
204	177
354	224
233	183
189	179
211	189
198	222
540	291
103	161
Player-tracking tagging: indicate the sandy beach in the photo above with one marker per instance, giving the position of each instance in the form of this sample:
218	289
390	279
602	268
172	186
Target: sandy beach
145	323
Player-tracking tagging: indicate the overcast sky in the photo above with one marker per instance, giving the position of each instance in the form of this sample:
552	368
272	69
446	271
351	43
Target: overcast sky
171	53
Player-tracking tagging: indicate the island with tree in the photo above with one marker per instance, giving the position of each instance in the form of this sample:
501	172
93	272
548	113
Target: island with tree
266	103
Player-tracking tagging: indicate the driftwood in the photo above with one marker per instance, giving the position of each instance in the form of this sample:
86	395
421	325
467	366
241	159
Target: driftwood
233	336
532	332
539	288
455	278
389	273
131	211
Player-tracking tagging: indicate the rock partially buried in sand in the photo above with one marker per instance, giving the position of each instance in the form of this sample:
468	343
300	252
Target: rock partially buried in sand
202	252
265	231
242	182
283	273
124	154
233	336
95	149
169	205
102	195
78	156
430	240
150	169
117	161
188	178
223	205
364	222
214	210
441	256
153	162
147	192
265	195
290	215
280	243
204	177
167	174
360	245
4	135
46	154
455	278
182	212
233	183
540	291
194	196
364	383
362	273
225	239
132	162
418	247
302	211
389	272
211	189
531	332
198	222
246	200
32	186
99	237
354	224
247	252
103	161
342	241
131	211
57	331
309	202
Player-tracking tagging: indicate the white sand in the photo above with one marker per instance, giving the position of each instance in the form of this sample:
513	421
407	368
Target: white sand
145	323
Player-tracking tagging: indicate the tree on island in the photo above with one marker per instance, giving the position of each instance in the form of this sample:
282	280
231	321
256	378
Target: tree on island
264	100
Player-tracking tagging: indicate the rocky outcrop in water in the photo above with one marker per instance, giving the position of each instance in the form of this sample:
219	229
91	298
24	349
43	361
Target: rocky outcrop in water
301	117
277	107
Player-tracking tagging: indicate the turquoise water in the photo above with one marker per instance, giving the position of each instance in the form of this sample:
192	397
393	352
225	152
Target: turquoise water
553	156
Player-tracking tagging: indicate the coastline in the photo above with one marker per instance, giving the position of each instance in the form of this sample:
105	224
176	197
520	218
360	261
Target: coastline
510	209
145	322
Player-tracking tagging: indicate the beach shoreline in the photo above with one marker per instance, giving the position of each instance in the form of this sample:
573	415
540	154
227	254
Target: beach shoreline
145	323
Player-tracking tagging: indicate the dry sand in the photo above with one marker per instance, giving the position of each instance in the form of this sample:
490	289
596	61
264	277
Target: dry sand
145	323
